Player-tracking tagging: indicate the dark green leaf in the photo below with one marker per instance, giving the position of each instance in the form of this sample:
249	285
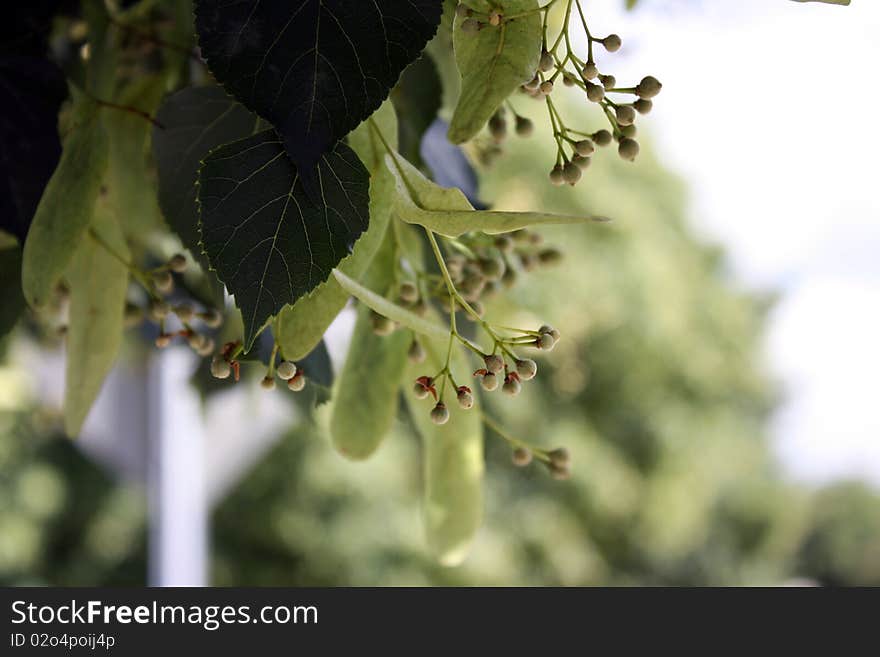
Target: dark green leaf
300	327
268	241
417	99
11	299
314	68
194	121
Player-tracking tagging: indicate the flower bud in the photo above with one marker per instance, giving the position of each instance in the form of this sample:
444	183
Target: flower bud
504	243
489	382
529	261
220	369
286	370
545	342
498	127
521	457
524	126
492	268
595	92
547	62
416	352
557	177
207	347
440	414
177	263
612	43
158	310
408	292
572	173
163	340
471	26
297	383
550	256
590	71
526	368
608	81
602	137
164	281
648	87
494	363
560	473
628	131
547	87
584	147
560	457
511	386
628	149
381	324
211	318
463	11
420	391
134	315
184	312
626	115
567	80
533	84
509	278
465	397
196	341
581	162
268	383
495	18
546	329
643	106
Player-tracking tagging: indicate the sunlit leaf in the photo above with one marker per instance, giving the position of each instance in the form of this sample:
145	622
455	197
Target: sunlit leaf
390	309
193	121
452	462
98	283
365	400
448	212
314	68
493	63
67	205
270	242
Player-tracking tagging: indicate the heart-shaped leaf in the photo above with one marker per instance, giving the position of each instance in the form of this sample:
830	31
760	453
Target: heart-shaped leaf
314	68
301	326
493	63
448	212
193	122
268	240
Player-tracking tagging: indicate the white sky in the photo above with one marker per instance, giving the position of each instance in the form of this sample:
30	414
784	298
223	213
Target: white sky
768	111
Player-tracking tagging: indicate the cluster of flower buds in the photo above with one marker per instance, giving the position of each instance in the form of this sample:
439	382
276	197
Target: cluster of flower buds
492	263
509	377
225	364
557	461
161	284
558	63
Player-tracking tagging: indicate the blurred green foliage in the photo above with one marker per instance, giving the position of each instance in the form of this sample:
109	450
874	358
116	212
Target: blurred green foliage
657	388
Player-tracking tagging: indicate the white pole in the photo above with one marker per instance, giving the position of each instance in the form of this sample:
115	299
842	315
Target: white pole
176	474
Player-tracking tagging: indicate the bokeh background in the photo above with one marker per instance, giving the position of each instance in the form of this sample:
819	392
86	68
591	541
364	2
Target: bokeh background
716	382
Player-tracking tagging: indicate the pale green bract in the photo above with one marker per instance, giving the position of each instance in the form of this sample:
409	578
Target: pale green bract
453	462
390	309
300	327
493	63
365	397
448	212
67	205
98	285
